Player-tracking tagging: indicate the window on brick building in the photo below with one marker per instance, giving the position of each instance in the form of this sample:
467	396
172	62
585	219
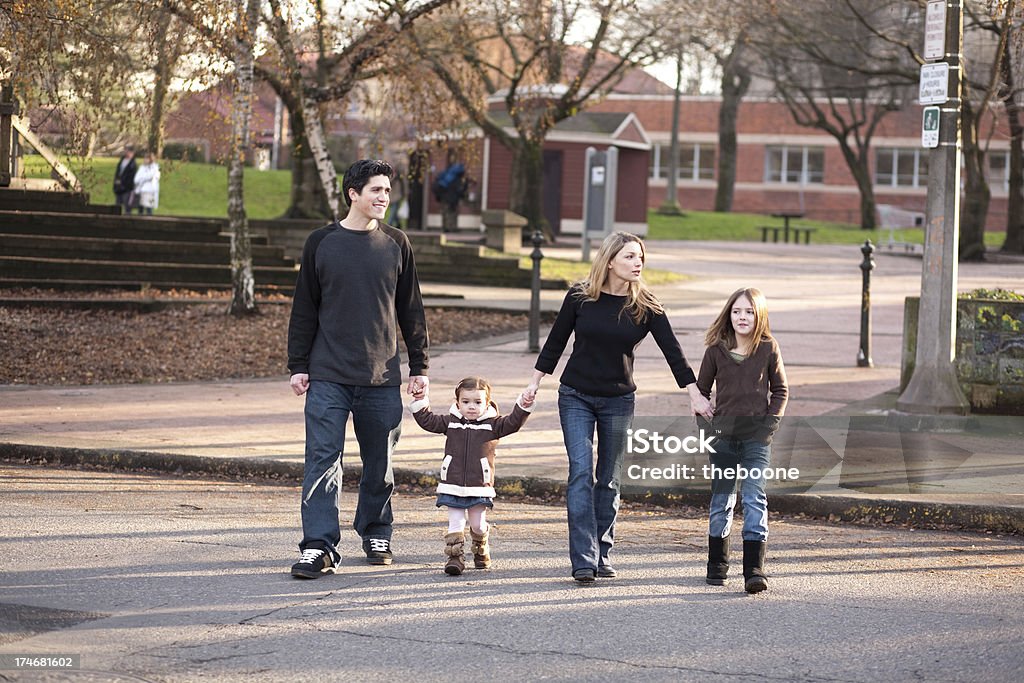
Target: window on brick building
999	170
791	164
696	161
897	167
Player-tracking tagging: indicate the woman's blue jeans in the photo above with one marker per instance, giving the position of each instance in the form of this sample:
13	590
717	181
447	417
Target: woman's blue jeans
729	455
377	419
592	494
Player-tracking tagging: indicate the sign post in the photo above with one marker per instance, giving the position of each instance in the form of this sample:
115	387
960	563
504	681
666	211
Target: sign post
933	388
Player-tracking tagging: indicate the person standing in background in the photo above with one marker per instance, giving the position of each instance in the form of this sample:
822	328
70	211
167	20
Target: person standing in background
147	185
124	179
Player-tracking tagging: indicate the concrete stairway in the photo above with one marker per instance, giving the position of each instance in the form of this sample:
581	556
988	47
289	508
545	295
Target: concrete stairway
82	251
62	248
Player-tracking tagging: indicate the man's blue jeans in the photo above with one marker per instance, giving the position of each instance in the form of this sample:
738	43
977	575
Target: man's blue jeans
377	419
592	494
729	455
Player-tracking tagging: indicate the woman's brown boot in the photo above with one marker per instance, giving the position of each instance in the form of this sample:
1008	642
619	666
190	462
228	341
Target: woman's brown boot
481	551
454	544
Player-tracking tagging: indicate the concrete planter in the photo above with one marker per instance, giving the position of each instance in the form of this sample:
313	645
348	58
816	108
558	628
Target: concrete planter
989	352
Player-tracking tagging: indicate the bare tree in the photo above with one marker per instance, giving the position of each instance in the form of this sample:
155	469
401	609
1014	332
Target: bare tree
520	53
243	284
834	70
315	59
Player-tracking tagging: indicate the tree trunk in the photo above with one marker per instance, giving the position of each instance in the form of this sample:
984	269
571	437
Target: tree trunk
976	190
735	82
243	284
167	53
307	194
321	156
671	204
526	196
857	162
1014	243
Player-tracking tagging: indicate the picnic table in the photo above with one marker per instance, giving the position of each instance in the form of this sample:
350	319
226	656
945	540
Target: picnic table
786	228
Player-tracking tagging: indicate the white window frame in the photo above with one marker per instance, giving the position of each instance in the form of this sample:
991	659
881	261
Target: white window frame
666	147
894	176
1004	182
785	150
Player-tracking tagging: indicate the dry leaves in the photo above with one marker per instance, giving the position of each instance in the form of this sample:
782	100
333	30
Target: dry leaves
49	345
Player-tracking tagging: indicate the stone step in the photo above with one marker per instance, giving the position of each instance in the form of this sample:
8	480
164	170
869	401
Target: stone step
80	285
165	275
106	249
24	199
110	226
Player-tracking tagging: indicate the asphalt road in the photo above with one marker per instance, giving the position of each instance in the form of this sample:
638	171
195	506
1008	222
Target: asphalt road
160	578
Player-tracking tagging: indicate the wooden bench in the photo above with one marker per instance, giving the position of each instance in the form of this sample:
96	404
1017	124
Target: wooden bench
786	230
806	232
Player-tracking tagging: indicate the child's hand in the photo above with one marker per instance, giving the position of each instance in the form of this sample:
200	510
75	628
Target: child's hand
526	401
419	393
530	394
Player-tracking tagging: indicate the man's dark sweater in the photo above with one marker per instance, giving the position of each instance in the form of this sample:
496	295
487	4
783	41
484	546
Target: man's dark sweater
355	290
601	363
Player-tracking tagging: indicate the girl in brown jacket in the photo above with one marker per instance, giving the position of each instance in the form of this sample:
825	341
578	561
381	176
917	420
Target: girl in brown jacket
466	483
744	364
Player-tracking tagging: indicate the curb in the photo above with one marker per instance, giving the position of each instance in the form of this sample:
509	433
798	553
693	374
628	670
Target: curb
1000	519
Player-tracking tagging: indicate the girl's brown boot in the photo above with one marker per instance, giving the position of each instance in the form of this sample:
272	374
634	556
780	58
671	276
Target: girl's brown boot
454	544
481	550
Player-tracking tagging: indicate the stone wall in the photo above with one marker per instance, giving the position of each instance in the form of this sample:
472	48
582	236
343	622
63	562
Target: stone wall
989	353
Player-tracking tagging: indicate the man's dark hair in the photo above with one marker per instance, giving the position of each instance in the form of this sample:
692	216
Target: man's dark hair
359	173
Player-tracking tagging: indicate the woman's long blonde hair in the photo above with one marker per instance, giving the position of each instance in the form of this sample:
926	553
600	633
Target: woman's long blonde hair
722	332
640	301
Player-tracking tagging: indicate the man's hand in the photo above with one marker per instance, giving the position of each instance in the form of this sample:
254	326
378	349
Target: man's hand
527	401
698	404
300	383
530	394
418	386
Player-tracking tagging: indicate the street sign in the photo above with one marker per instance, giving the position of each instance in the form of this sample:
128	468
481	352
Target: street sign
935	30
930	127
934	87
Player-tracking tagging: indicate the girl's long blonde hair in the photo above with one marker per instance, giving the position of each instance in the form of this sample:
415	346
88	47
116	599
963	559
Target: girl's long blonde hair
640	301
722	332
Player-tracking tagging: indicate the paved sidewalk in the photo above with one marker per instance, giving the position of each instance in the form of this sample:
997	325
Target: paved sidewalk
164	578
971	478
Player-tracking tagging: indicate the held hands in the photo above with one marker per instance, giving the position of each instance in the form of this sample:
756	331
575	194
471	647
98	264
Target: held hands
530	394
300	383
418	387
698	404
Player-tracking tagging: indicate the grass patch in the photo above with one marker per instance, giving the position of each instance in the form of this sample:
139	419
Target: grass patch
186	188
743	227
573	271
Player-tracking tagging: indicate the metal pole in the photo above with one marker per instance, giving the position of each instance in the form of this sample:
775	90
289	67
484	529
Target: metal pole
933	389
866	266
536	255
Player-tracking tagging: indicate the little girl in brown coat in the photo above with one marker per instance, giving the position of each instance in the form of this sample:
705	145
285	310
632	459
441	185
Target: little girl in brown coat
466	482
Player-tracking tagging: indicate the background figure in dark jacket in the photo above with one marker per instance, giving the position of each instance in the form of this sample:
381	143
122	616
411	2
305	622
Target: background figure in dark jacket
124	179
449	188
466	484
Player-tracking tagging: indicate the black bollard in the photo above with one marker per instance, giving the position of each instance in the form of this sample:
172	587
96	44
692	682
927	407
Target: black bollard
536	255
866	266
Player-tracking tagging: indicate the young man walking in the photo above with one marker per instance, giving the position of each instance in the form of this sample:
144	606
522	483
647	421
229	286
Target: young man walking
356	290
